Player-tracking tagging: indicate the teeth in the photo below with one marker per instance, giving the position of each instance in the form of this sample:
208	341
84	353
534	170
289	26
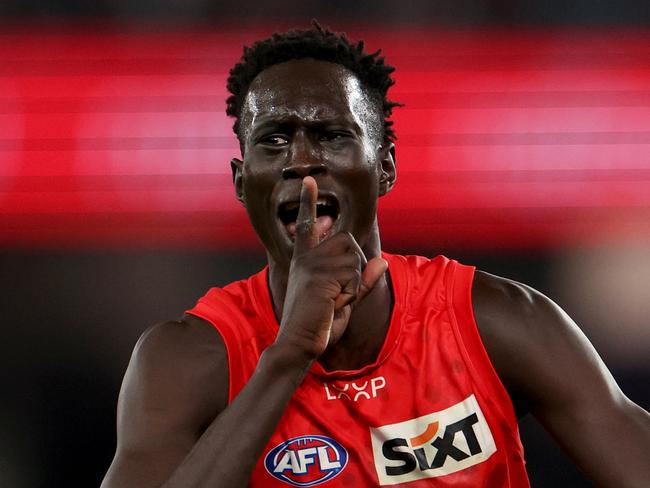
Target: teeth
320	201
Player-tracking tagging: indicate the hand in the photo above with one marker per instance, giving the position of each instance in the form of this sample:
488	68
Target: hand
326	280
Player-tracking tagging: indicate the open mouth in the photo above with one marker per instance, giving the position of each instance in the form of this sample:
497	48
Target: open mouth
327	211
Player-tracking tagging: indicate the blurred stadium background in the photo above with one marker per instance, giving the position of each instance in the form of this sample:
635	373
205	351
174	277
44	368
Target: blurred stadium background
523	148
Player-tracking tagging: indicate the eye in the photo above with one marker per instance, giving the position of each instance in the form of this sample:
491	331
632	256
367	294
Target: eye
334	136
274	140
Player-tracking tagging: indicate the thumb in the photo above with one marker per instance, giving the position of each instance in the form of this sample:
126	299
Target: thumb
375	269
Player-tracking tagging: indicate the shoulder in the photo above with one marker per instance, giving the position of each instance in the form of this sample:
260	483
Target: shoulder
175	385
187	342
529	338
551	369
171	365
500	301
514	312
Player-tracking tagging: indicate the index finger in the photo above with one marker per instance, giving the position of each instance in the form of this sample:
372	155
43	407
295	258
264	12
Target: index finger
306	232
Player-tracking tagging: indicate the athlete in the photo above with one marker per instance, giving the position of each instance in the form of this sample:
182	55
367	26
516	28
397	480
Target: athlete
342	365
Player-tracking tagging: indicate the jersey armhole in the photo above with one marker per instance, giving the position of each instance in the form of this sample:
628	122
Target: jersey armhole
459	296
204	312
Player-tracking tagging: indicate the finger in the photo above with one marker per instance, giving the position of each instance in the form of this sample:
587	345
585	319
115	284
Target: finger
306	233
356	262
357	288
349	291
375	269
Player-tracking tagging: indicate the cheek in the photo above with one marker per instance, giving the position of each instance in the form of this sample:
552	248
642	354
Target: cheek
257	176
363	172
363	183
257	186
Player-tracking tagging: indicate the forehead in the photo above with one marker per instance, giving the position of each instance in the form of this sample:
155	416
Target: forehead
307	90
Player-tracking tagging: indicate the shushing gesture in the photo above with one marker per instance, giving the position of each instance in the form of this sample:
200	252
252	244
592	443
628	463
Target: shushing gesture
326	281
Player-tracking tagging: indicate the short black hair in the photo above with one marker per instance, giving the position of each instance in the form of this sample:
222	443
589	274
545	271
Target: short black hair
317	43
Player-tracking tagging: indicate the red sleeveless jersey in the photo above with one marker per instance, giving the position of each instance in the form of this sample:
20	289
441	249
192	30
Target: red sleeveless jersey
430	411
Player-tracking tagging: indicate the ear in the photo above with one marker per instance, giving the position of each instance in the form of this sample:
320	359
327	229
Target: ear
388	174
236	165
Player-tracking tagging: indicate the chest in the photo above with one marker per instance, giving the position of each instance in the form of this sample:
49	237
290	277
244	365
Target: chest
412	417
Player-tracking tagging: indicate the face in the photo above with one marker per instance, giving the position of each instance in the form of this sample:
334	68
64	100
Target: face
311	118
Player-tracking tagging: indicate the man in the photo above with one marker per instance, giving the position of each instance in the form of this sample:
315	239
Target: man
342	365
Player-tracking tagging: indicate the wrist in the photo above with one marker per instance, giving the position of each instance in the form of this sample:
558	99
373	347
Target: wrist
301	342
284	360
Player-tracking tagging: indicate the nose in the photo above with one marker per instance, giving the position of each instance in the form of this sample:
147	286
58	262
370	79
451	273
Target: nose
302	160
302	169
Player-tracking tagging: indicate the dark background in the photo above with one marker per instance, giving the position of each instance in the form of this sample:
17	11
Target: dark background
72	312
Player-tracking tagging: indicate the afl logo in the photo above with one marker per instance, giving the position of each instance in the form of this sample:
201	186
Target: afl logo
308	460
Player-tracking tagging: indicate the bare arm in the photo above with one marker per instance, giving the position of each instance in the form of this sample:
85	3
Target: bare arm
174	428
546	362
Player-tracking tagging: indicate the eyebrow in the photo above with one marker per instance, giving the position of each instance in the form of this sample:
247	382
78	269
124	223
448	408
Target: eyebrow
289	121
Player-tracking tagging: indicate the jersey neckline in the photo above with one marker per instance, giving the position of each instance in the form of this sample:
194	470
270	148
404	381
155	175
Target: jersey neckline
398	283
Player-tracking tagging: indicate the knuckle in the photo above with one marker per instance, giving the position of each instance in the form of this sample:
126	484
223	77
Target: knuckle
354	275
343	236
303	226
352	260
343	241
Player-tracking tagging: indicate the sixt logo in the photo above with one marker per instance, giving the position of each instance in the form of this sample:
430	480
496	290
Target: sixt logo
432	445
307	460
